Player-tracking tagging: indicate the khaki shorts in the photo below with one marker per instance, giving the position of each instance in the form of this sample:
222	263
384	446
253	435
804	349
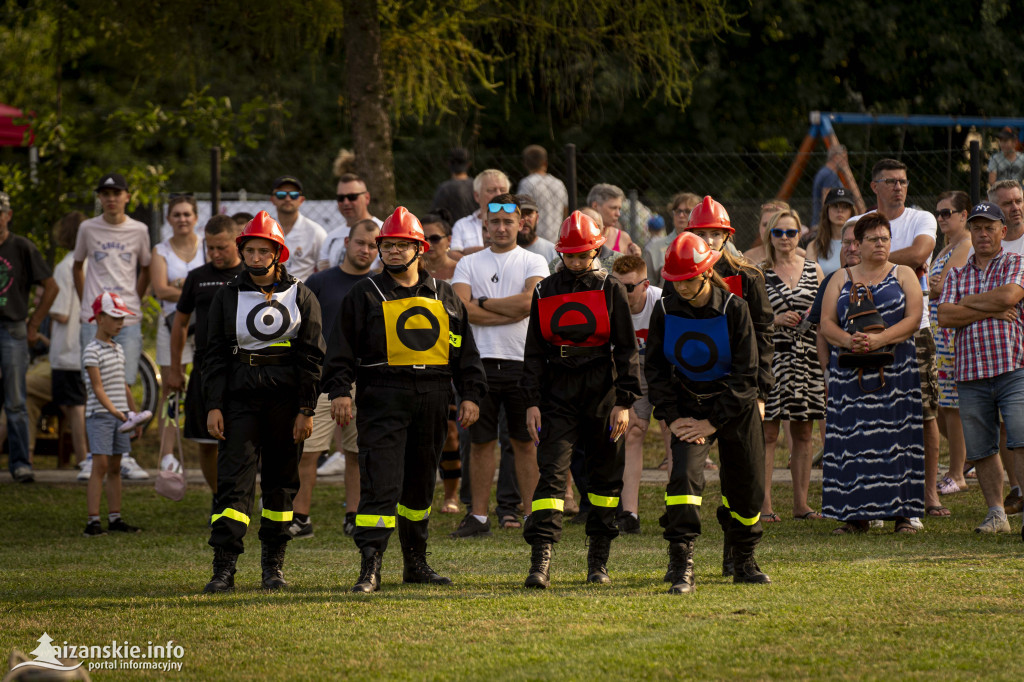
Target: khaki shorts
323	429
925	344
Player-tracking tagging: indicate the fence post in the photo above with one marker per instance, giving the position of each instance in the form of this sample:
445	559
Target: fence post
570	174
975	172
634	197
214	180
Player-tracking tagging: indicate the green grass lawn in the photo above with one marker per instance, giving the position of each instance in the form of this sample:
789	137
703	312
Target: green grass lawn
944	603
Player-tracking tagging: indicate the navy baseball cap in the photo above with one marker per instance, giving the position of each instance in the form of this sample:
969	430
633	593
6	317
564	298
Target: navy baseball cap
112	181
287	180
839	195
986	210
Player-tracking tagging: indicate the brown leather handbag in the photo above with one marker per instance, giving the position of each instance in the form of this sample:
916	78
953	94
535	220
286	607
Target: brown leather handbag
862	316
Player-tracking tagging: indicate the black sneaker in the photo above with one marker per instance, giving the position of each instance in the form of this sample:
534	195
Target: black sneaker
628	524
93	529
299	529
349	527
119	526
471	528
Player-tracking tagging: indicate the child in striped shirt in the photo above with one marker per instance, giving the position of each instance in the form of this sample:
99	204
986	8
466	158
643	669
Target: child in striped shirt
107	416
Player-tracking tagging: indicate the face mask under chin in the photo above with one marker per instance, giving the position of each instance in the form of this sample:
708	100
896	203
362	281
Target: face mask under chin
399	269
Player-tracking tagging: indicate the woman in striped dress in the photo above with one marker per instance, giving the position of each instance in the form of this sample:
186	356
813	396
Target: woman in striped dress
873	467
798	396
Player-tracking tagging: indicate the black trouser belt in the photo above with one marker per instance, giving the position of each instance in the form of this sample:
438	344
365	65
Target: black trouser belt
254	359
581	351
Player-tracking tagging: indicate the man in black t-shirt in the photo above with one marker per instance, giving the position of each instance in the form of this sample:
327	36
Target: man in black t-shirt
21	267
223	264
330	287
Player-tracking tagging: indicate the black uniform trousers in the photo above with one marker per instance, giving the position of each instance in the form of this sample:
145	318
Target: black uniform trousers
741	452
401	433
574	414
259	427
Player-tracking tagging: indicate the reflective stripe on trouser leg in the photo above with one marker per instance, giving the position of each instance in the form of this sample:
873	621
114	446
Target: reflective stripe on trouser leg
603	462
745	520
549	503
681	519
276	515
372	521
413	514
603	500
232	514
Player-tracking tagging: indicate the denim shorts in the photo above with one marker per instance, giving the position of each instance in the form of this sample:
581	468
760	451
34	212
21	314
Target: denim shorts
104	438
982	402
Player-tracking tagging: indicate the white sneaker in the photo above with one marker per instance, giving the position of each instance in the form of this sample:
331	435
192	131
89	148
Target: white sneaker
86	469
994	524
876	523
131	470
170	463
334	465
134	419
915	523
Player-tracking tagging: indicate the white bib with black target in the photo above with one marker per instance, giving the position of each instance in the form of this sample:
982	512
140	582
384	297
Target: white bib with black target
260	323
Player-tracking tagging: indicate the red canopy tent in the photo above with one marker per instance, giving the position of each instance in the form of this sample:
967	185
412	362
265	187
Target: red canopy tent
12	135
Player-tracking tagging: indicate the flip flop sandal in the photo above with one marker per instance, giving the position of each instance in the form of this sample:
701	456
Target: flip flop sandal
509	521
937	510
450	508
809	516
903	526
770	517
947	486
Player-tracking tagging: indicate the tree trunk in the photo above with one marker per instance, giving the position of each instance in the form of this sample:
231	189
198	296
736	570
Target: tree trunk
371	127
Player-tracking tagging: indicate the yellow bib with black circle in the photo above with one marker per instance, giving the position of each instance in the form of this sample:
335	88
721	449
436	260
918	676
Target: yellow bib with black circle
417	331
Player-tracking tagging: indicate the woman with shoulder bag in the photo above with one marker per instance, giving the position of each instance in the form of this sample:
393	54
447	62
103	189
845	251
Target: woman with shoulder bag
873	466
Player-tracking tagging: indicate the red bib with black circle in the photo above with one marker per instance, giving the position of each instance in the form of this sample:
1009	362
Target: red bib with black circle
577	319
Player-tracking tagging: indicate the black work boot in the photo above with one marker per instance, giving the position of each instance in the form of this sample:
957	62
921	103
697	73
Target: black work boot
223	578
417	570
746	569
369	572
272	561
540	563
680	556
597	560
728	563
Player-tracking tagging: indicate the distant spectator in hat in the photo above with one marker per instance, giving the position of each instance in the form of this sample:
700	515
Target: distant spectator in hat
984	302
655	226
528	237
828	241
21	267
303	236
455	195
827	178
548	192
1006	164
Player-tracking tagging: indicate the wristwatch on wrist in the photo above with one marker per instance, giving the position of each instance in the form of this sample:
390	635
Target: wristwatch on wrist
480	302
306	411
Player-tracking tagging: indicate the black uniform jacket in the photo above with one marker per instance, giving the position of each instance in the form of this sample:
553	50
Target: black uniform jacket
358	343
668	388
540	354
224	373
763	317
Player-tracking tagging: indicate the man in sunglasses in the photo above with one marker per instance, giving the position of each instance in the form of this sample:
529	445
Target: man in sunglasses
913	241
353	205
468	232
496	285
303	236
528	237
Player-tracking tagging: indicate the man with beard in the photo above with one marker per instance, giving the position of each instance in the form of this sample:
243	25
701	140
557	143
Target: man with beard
528	237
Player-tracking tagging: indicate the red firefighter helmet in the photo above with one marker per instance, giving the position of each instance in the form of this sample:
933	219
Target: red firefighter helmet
710	215
264	227
687	257
403	225
579	233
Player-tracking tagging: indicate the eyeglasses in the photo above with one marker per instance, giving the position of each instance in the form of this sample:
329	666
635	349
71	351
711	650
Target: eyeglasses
681	211
281	194
495	207
895	182
630	288
944	213
395	246
784	233
351	198
876	240
435	238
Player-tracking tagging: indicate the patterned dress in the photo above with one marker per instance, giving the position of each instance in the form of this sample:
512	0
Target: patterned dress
873	467
943	345
799	390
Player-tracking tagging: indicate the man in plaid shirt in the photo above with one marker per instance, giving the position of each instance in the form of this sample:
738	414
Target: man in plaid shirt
982	301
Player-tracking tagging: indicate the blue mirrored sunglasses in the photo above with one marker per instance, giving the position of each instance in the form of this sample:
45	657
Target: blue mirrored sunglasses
779	234
495	207
281	194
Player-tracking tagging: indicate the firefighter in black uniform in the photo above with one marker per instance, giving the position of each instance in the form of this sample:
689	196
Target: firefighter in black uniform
702	378
402	336
582	373
261	376
710	222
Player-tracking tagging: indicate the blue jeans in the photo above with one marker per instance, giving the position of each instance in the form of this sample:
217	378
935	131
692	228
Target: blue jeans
130	339
981	403
14	364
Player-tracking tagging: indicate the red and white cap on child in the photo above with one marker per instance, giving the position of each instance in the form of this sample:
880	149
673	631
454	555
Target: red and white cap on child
110	303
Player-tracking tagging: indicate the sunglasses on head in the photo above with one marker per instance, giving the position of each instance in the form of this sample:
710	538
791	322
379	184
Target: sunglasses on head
351	198
281	194
495	207
944	213
784	233
435	238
